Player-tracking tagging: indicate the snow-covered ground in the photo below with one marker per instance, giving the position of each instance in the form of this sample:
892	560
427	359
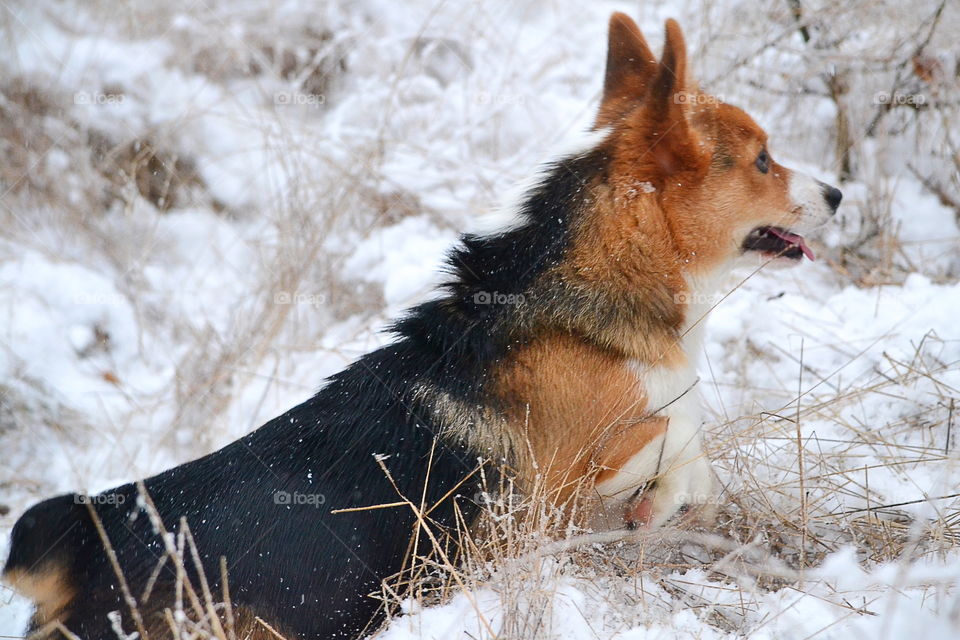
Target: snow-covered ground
208	207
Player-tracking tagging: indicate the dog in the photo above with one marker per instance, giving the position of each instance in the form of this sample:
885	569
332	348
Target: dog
560	355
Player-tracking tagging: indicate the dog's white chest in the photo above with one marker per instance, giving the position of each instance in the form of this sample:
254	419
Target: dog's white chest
675	459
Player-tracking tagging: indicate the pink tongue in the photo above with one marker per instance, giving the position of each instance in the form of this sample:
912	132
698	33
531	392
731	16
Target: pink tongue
793	238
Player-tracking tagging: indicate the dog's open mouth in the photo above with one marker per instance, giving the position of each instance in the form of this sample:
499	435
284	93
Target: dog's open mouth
777	242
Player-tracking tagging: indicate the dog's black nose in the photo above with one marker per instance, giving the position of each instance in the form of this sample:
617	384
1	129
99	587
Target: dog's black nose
832	195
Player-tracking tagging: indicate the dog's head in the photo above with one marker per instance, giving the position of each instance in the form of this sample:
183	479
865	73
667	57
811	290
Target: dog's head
702	166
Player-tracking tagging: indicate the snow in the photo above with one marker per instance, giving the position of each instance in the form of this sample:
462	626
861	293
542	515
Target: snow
133	338
402	274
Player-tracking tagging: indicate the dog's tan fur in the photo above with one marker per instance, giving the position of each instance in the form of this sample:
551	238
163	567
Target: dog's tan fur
48	586
571	399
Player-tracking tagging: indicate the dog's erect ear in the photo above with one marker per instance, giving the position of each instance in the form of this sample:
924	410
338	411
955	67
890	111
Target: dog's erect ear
630	67
668	87
667	103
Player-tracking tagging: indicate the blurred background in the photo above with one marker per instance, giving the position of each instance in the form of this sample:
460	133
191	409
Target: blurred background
206	207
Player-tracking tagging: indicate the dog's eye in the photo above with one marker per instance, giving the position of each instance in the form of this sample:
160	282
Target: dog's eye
763	161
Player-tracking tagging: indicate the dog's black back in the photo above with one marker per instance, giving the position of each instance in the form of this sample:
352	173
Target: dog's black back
257	502
299	566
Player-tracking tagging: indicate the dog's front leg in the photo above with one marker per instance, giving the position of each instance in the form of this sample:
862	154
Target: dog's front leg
650	470
685	486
